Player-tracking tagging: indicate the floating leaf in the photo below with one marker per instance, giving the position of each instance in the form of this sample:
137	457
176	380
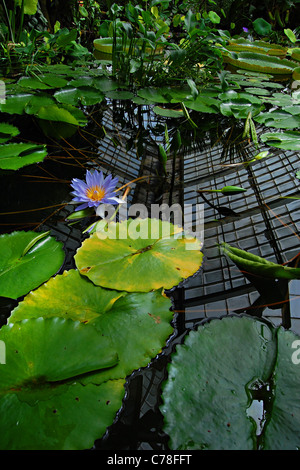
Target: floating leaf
42	82
15	156
207	397
203	103
239	104
119	95
15	104
143	318
37	101
260	62
288	140
7	131
54	113
84	95
289	33
43	404
165	94
139	255
21	273
242	44
69	295
278	119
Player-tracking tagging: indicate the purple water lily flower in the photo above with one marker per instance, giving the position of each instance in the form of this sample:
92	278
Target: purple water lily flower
95	190
246	30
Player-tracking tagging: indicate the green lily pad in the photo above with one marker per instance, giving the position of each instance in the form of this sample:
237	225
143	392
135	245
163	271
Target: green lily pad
37	101
278	119
43	404
43	82
119	95
81	299
33	83
168	112
143	318
239	104
242	44
208	396
24	265
84	95
55	113
7	131
15	156
139	255
203	103
165	94
15	104
288	140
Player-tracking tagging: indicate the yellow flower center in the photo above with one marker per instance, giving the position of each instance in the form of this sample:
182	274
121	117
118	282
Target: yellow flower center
95	193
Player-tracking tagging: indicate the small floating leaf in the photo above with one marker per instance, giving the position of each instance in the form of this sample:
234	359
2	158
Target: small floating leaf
19	272
15	156
7	131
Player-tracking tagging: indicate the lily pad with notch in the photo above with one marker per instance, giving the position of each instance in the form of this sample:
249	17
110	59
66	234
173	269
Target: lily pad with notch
139	255
207	397
143	318
27	259
43	403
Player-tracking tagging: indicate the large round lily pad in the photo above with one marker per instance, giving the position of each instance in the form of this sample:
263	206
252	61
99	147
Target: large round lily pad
139	256
43	402
22	270
138	324
219	373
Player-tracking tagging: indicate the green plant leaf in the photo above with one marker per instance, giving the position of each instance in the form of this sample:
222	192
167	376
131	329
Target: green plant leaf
214	17
43	82
15	104
168	112
242	44
69	295
288	140
7	131
37	101
258	266
84	95
30	6
164	94
15	156
289	33
282	431
203	103
262	27
139	255
208	398
43	404
144	319
54	113
21	273
278	119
